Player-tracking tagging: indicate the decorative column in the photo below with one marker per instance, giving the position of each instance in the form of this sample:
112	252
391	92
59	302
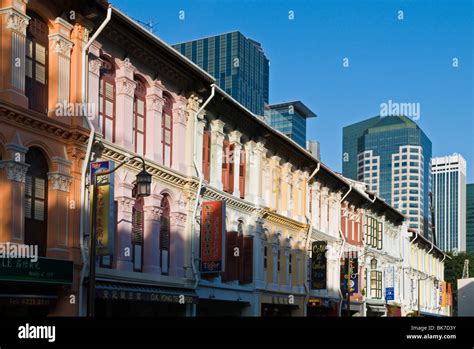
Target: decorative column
298	195
59	65
217	142
276	179
315	197
287	203
178	242
255	151
94	66
154	114
180	120
234	138
334	213
13	24
259	241
79	37
59	186
151	234
324	210
125	89
123	239
201	125
12	188
194	138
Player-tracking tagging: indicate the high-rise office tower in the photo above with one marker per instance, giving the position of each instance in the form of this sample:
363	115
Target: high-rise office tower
238	64
470	217
449	199
290	119
392	155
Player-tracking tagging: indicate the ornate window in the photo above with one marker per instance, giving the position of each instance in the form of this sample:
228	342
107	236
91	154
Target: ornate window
206	154
36	60
167	129
139	117
165	235
227	167
36	200
107	100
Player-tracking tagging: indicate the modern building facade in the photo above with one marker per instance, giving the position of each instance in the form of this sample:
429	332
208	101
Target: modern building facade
393	156
238	63
449	201
470	217
290	119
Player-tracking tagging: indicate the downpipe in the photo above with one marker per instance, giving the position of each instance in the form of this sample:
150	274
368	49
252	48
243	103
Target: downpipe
341	297
85	164
198	192
308	235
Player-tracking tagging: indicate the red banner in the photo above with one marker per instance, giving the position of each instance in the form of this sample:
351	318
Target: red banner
212	236
450	295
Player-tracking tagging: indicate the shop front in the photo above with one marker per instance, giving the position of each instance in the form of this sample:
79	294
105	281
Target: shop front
375	309
322	307
281	305
214	301
38	288
142	300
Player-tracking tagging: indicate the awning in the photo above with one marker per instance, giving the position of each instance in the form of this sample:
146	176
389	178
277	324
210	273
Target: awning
376	308
144	293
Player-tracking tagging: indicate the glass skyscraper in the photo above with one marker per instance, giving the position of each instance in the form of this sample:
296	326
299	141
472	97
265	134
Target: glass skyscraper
290	119
470	218
449	194
238	64
392	155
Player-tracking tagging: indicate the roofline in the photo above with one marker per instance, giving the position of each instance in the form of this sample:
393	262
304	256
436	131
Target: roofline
198	70
305	111
428	242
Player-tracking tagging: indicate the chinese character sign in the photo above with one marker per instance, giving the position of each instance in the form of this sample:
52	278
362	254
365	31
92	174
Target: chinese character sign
105	210
318	265
212	236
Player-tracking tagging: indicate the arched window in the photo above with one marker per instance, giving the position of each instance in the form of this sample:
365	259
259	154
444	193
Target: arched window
137	231
139	117
165	235
36	63
107	100
167	129
36	200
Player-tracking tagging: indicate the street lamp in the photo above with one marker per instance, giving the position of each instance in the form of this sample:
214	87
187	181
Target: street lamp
143	189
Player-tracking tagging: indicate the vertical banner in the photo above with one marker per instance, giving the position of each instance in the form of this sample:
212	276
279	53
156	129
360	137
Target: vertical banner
450	295
318	265
350	273
212	237
390	283
104	223
443	294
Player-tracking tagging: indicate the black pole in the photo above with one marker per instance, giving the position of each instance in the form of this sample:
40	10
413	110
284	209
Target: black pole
92	251
348	287
92	235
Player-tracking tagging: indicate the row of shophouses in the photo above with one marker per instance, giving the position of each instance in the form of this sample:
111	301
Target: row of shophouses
292	229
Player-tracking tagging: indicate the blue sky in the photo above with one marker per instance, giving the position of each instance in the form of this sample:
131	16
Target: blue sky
407	60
